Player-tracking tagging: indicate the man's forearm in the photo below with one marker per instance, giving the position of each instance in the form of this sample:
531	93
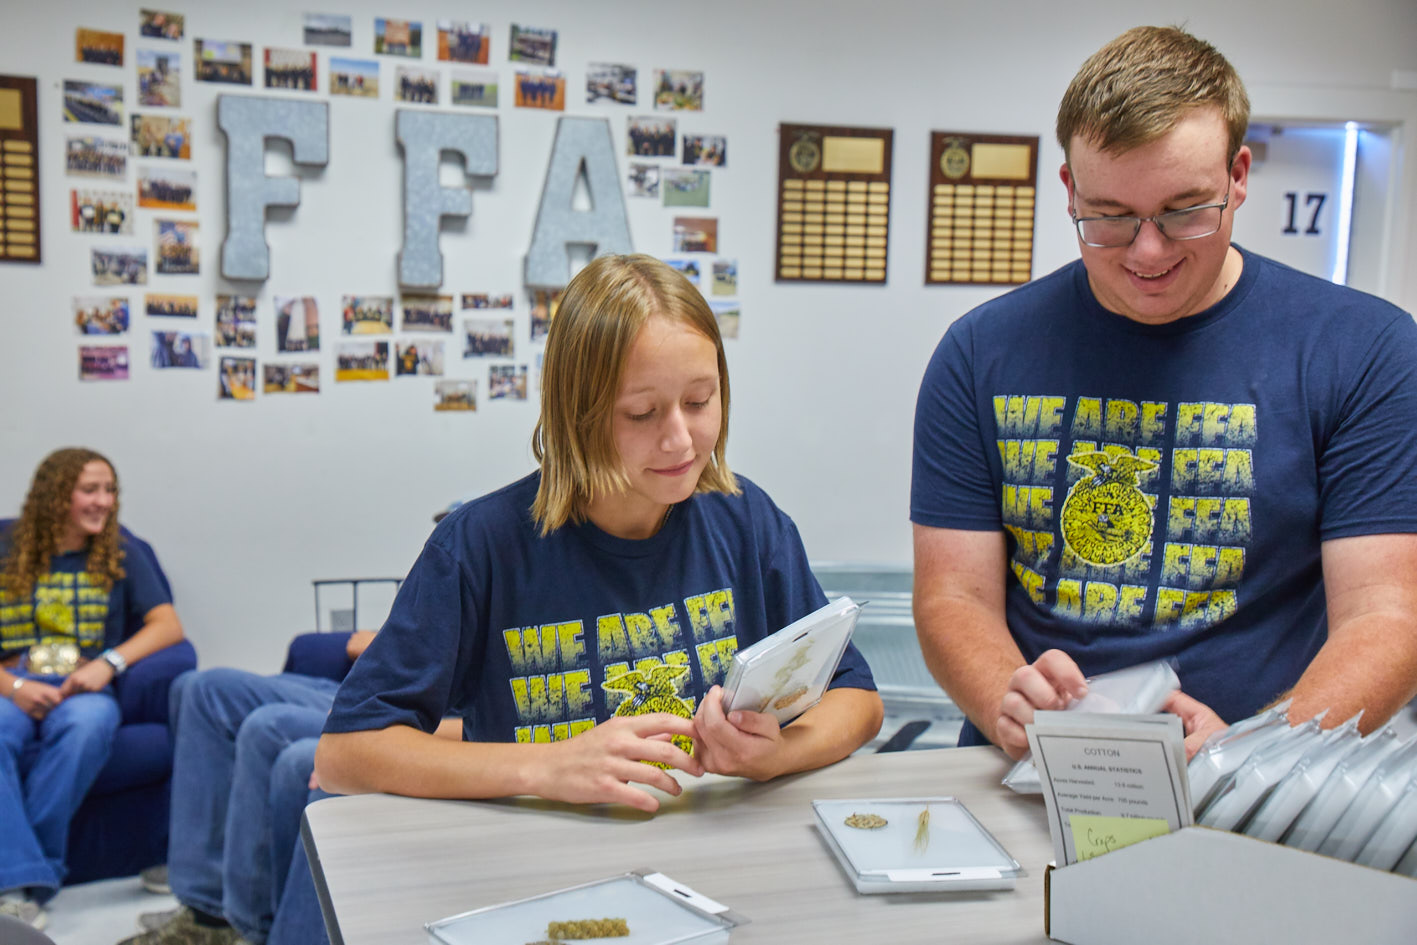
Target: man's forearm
1368	664
970	653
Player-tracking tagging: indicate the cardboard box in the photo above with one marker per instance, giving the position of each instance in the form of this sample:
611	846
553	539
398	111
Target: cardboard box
1203	885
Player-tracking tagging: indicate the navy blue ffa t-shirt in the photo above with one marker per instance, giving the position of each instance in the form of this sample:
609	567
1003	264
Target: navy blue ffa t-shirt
534	639
1165	489
69	605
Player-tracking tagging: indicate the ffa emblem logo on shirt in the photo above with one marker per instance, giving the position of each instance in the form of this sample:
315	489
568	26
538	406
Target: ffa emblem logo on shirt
1106	517
653	692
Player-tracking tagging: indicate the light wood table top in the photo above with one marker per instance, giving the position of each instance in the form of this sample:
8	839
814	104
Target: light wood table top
385	865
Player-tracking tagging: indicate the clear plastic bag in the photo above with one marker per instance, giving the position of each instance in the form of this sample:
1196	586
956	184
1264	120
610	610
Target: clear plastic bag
1396	833
1377	796
1261	772
1136	690
1299	787
1223	754
1313	824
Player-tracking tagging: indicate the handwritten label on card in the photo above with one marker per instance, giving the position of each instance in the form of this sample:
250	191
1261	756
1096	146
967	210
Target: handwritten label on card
1094	836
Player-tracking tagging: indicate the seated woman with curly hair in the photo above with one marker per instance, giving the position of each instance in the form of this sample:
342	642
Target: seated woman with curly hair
68	587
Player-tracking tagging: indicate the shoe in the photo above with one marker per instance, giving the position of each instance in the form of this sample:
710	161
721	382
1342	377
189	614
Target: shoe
149	921
182	929
154	880
27	911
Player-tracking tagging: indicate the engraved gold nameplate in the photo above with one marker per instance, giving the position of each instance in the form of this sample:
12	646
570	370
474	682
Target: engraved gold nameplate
53	659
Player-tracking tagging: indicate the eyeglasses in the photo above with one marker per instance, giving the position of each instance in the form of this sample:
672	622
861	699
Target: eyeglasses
1191	223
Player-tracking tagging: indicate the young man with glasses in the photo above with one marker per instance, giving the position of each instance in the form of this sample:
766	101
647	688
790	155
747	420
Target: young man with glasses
1171	448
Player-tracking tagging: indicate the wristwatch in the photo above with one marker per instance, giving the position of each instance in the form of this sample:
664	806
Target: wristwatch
15	686
115	659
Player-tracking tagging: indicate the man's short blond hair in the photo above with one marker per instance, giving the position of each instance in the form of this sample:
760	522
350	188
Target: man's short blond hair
1136	88
601	312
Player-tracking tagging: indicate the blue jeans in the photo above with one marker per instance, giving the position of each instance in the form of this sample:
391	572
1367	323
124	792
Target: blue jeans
220	787
298	919
46	768
275	753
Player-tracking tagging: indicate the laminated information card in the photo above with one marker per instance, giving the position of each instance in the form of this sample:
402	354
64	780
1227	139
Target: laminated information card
1109	780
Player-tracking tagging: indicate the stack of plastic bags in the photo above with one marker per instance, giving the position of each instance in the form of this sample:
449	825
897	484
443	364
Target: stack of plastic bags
1333	792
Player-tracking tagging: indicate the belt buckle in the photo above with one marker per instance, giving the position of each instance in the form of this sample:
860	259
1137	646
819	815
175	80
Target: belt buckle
52	659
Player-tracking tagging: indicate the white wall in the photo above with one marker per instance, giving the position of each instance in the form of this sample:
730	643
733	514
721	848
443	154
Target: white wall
247	502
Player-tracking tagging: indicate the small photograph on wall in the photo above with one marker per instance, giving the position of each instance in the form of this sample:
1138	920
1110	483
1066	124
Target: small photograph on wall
473	89
161	188
293	69
159	78
236	379
328	29
236	321
455	395
544	88
177	251
356	77
181	349
98	47
367	315
706	149
484	300
412	84
544	303
162	137
398	38
642	180
362	361
297	323
685	187
421	358
101	211
688	268
427	312
88	156
534	46
725	277
650	137
220	61
695	234
101	316
726	314
488	338
506	382
119	266
93	103
610	82
303	378
160	24
463	42
103	363
171	306
675	90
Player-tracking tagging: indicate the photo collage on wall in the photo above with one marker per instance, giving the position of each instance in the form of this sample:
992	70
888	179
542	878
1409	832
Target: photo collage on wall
134	138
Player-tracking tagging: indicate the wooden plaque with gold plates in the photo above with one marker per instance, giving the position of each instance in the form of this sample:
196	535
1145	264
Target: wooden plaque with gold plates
833	203
983	192
19	170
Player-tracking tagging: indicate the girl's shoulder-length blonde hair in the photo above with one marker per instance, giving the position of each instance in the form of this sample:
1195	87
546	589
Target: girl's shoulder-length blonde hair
601	312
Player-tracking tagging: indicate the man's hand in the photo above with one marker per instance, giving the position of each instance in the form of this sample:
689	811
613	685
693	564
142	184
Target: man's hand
1050	682
598	765
742	743
35	698
358	642
90	677
1198	719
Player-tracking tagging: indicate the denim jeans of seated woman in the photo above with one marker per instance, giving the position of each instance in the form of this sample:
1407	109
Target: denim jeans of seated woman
46	768
231	726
